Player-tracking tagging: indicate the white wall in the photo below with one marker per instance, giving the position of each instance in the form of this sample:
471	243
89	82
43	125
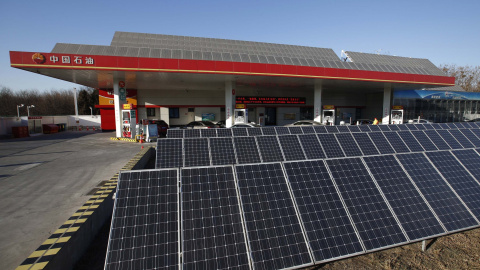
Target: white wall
6	123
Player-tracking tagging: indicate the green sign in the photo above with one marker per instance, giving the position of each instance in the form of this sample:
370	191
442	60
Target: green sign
123	94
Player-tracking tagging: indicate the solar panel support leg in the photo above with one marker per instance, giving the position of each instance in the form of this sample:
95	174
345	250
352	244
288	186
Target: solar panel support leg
425	247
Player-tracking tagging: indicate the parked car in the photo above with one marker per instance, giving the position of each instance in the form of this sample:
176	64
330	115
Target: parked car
221	124
245	125
162	127
305	123
422	121
201	124
363	122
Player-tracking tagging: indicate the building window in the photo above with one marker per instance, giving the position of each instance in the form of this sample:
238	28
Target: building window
174	112
150	112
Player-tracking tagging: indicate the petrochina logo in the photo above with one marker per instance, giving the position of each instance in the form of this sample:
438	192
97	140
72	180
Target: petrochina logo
38	58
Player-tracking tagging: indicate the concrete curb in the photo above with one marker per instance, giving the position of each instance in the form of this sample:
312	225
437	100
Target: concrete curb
123	139
69	242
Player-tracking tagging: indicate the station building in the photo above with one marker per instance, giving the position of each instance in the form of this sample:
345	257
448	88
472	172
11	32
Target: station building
181	79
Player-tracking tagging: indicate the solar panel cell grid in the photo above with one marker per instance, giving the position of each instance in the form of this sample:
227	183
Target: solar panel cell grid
282	130
308	129
329	230
311	146
451	141
464	142
254	131
224	132
424	141
410	141
169	153
208	132
381	142
410	208
330	145
447	206
403	127
471	137
269	148
437	140
364	128
348	144
412	126
374	128
295	130
246	150
292	150
331	129
196	152
319	129
384	127
222	151
374	221
239	132
393	127
354	128
459	178
144	231
213	235
269	131
275	235
343	129
192	133
470	160
175	133
365	144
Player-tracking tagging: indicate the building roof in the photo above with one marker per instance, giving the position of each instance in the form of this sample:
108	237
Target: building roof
195	48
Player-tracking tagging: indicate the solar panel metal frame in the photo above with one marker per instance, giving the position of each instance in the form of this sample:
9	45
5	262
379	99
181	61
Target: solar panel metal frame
223	148
177	149
246	150
196	152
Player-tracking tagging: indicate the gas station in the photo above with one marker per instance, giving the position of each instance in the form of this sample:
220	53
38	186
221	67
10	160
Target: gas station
181	79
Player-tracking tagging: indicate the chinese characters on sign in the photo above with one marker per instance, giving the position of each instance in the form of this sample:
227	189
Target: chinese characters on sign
271	100
76	59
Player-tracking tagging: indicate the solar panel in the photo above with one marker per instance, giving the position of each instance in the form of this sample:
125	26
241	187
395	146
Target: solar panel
213	235
319	129
144	231
330	145
269	148
470	160
196	152
471	136
175	133
396	142
275	235
450	125
411	210
464	142
476	131
343	129
420	126
348	144
364	128
371	216
292	150
412	126
458	177
403	127
428	126
208	132
410	141
269	131
444	126
353	128
384	127
295	130
254	131
436	126
246	150
308	129
451	141
282	130
438	141
328	227
393	127
224	132
381	142
475	124
169	153
311	146
424	141
365	144
191	133
222	151
447	206
239	132
331	129
374	128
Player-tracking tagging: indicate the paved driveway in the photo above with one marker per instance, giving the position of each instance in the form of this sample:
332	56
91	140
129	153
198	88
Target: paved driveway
45	179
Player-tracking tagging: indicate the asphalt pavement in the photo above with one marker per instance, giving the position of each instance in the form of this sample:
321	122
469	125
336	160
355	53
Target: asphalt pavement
45	179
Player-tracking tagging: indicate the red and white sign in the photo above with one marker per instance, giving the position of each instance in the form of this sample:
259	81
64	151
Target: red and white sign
121	84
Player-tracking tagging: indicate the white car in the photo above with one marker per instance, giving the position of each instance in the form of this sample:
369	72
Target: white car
422	121
304	123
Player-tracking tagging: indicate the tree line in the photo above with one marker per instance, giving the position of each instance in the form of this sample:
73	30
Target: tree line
54	102
61	102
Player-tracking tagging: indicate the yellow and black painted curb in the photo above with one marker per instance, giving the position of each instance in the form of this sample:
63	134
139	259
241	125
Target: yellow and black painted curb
123	139
51	247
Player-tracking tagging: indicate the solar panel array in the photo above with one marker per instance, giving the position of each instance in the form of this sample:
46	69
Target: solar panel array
206	151
233	132
277	213
196	48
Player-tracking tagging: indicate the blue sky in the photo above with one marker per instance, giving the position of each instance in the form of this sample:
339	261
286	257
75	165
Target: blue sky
445	32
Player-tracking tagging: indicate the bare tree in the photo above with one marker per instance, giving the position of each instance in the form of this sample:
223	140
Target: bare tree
467	77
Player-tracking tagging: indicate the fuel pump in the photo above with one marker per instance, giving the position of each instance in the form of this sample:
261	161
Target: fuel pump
397	115
129	121
240	114
328	115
